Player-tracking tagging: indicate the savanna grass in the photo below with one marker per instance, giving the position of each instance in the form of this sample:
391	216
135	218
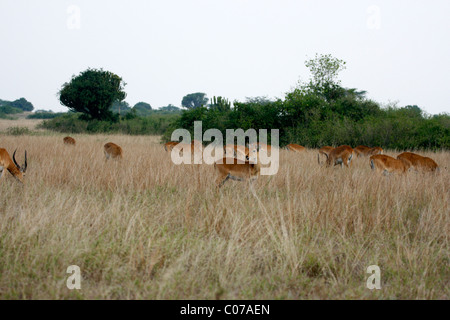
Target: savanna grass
144	228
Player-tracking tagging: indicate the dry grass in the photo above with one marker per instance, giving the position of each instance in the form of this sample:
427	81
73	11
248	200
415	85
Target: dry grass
21	123
144	228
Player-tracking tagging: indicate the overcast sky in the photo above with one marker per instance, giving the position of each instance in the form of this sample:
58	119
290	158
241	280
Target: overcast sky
397	50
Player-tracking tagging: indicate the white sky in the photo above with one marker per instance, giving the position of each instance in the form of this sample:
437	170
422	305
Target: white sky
397	50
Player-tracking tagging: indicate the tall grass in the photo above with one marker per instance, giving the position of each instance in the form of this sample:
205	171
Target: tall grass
143	228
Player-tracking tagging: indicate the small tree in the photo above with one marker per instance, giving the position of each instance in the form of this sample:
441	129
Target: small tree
324	70
194	100
220	104
142	108
23	104
92	93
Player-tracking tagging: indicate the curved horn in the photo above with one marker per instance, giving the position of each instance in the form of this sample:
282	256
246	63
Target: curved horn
25	165
14	159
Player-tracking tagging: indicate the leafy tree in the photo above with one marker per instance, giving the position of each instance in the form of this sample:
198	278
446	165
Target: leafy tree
194	100
220	104
142	108
93	93
324	70
9	109
23	104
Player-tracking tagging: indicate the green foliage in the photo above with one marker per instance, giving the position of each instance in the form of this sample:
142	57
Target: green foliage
170	108
42	114
324	70
142	109
92	93
194	100
9	109
312	120
22	104
120	107
220	104
18	131
129	124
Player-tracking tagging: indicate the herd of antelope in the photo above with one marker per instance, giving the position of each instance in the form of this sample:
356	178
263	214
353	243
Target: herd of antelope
242	167
242	162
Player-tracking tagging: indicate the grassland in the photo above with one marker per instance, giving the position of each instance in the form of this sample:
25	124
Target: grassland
144	228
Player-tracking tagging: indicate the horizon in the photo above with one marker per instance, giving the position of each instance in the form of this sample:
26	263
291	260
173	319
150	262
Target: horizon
234	49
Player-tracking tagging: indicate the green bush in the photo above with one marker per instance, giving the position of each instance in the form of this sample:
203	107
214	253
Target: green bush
45	115
309	119
8	109
129	124
18	131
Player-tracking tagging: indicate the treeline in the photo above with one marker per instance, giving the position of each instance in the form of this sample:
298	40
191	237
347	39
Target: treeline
10	108
317	113
322	112
156	124
312	119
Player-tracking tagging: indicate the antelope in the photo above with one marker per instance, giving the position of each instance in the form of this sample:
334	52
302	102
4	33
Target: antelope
324	151
367	151
361	151
295	147
237	151
386	164
260	147
236	169
342	155
376	150
113	151
168	146
193	146
11	165
418	161
69	141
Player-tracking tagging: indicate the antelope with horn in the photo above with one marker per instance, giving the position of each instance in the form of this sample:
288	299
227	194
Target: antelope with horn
11	165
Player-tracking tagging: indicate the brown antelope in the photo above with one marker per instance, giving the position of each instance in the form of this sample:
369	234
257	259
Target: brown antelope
295	147
259	146
367	151
361	151
168	146
386	164
11	165
113	151
342	155
236	169
376	150
419	162
69	141
324	151
236	151
194	146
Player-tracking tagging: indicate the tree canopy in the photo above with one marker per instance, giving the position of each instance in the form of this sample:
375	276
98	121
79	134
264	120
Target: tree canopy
23	104
142	108
194	100
92	93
